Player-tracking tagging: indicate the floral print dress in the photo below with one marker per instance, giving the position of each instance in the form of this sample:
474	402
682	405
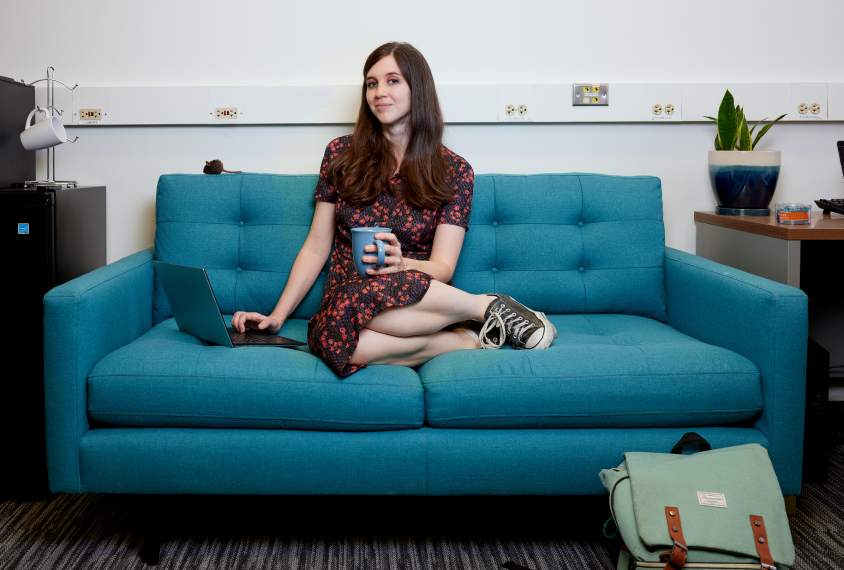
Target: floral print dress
350	300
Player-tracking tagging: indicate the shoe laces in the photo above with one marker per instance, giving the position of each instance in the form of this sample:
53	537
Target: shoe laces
515	325
494	320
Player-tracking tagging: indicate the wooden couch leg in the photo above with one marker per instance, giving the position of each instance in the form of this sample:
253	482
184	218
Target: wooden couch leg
150	521
790	505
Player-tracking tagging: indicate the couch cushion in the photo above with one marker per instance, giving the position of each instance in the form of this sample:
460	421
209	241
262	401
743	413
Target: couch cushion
567	243
244	229
601	371
168	378
600	240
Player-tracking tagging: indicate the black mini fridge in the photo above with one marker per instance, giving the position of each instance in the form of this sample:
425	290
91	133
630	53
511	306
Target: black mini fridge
48	235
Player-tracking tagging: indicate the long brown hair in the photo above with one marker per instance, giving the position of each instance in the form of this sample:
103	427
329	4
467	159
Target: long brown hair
365	168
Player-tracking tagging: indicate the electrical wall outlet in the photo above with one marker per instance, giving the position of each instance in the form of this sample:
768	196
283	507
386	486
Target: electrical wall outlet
663	113
513	113
597	94
810	100
516	103
226	112
90	116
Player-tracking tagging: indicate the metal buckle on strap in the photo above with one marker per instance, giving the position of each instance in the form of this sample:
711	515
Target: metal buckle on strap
683	547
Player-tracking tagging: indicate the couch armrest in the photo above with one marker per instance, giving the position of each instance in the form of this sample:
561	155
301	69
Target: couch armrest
763	320
84	320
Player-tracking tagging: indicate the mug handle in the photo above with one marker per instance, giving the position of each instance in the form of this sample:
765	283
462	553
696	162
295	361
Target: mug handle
31	113
381	254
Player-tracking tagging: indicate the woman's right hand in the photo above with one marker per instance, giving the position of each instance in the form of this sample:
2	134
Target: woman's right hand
243	320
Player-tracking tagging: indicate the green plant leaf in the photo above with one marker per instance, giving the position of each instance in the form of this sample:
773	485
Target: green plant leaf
739	120
745	136
710	118
718	143
756	125
727	122
765	130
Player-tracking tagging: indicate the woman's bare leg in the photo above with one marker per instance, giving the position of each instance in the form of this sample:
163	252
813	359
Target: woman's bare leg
441	306
378	348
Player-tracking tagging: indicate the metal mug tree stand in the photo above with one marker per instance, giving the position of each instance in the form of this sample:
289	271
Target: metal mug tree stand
51	152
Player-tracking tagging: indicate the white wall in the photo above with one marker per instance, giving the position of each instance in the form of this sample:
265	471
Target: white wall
252	42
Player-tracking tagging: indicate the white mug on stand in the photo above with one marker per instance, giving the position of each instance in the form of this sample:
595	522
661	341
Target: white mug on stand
44	134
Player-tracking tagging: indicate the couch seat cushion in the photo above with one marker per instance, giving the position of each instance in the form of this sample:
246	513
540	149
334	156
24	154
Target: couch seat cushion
168	378
601	371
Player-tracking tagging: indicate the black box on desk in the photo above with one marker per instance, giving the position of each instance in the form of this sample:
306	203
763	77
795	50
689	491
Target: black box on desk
16	163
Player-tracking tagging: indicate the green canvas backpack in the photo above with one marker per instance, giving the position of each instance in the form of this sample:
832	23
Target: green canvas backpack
714	509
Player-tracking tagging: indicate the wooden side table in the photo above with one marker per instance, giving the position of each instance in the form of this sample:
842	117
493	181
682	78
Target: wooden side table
808	257
759	245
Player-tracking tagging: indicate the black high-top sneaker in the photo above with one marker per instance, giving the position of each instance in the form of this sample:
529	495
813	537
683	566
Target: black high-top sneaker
523	328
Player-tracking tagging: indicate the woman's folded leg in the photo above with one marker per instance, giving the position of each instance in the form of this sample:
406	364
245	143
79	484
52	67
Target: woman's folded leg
442	305
379	348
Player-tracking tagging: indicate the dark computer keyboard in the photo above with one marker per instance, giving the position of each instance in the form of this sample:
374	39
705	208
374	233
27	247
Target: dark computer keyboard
833	205
240	338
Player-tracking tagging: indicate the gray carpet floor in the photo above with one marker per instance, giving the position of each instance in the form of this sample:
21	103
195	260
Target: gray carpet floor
378	533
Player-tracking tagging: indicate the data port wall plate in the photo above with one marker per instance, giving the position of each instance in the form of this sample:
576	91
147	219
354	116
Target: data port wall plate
289	105
90	98
759	100
63	102
631	103
226	98
813	95
158	105
835	101
516	95
590	94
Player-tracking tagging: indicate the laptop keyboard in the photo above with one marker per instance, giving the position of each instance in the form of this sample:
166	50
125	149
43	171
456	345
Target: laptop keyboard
243	338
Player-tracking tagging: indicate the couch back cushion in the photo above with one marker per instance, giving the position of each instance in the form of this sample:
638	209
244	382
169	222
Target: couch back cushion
244	229
567	243
559	243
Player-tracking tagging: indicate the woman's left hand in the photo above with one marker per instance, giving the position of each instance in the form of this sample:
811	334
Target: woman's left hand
393	260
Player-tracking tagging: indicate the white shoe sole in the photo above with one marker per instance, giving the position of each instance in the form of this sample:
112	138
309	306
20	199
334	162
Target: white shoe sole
549	333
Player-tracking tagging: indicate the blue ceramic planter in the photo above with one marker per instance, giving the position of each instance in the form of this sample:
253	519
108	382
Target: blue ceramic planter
744	179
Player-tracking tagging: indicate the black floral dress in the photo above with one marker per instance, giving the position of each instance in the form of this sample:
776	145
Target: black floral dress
351	300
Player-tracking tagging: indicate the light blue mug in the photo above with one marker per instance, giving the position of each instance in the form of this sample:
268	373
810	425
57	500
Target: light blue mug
362	237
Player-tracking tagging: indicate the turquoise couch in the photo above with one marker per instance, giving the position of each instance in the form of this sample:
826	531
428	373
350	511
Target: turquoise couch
653	342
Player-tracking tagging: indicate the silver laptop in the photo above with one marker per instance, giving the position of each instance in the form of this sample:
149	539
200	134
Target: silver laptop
197	312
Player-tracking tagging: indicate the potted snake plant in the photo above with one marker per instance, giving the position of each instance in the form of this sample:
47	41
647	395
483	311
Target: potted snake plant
743	179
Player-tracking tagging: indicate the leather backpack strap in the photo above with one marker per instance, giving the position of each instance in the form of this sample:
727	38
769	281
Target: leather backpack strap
760	539
677	557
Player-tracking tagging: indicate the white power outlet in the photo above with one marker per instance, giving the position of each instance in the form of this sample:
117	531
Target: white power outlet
516	103
815	108
802	108
226	112
514	113
90	116
663	113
